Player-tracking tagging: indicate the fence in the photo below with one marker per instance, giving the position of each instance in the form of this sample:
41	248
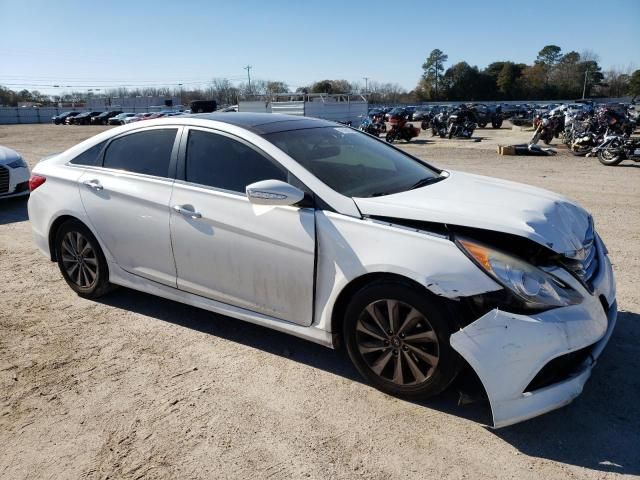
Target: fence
13	115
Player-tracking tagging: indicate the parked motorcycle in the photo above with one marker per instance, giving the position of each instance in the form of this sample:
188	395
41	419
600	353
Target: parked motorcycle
373	127
439	124
461	123
401	129
547	127
616	148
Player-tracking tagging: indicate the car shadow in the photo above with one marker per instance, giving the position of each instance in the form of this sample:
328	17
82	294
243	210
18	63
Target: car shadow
13	210
599	431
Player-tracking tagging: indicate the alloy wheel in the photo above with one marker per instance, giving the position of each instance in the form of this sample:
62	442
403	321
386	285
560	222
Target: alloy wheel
397	342
79	259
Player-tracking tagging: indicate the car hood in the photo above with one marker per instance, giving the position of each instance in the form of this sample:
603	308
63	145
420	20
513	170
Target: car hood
7	155
488	203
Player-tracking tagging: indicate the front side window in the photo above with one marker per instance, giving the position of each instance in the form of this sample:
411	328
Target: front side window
222	162
147	152
352	163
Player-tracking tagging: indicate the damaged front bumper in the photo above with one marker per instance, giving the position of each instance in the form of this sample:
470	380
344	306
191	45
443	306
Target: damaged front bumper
509	352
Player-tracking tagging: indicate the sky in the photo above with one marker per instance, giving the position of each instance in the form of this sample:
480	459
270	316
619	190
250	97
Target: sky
89	44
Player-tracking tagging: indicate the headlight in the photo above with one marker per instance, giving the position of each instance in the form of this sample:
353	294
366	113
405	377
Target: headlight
536	288
19	163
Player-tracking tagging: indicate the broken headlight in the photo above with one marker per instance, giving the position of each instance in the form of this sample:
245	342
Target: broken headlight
535	288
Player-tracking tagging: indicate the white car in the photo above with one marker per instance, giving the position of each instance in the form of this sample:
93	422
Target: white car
324	232
14	174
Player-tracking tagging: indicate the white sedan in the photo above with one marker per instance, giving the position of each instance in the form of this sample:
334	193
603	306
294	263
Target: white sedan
318	230
14	174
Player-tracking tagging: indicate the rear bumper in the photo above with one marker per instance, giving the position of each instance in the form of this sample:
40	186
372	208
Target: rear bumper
507	351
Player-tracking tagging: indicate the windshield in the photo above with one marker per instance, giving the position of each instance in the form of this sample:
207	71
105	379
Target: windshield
353	163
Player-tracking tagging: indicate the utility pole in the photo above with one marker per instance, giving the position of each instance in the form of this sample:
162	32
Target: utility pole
584	86
248	69
366	84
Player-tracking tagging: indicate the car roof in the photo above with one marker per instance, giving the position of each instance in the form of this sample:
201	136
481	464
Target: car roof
264	123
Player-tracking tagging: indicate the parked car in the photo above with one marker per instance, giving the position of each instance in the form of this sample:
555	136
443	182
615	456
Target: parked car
119	119
104	117
329	234
14	174
83	119
137	117
60	119
397	111
488	114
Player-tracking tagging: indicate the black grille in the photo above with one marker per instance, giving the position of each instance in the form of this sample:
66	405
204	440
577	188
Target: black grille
559	369
584	264
4	180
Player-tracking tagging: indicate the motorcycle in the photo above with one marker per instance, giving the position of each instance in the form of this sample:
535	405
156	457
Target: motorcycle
616	148
547	127
439	124
461	123
401	129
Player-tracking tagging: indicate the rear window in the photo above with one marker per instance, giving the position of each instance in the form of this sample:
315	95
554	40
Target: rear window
147	152
90	156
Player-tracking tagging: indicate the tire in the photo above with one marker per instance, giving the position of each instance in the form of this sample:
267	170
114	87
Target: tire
71	242
496	123
482	125
390	137
609	161
428	364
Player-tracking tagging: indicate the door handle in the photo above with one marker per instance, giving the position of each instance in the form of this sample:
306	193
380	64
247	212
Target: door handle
93	184
187	212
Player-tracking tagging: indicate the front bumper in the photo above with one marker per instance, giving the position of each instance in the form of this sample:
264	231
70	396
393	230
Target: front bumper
507	350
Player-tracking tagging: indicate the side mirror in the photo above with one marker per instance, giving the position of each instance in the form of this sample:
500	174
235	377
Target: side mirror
273	192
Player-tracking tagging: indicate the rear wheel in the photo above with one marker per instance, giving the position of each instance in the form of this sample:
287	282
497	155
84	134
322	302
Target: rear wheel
482	124
81	260
390	137
398	339
496	123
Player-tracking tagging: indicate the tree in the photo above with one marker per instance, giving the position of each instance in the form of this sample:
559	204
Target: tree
276	87
460	81
550	55
506	80
634	83
331	86
433	68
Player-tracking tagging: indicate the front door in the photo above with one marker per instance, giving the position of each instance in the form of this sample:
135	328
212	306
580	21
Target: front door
227	249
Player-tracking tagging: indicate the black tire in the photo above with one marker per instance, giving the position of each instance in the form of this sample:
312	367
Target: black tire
434	378
496	123
482	125
609	161
390	137
91	263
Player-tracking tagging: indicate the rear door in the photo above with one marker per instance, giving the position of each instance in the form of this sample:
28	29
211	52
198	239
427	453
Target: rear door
254	257
127	201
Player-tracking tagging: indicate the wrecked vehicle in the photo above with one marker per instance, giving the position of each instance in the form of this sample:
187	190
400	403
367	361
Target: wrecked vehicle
326	233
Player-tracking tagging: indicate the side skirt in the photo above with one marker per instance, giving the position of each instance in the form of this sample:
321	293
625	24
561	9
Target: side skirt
118	276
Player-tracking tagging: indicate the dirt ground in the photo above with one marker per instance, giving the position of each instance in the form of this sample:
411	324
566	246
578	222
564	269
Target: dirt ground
133	386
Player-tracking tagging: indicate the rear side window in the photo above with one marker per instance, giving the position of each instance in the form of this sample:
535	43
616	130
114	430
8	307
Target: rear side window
90	156
221	162
147	152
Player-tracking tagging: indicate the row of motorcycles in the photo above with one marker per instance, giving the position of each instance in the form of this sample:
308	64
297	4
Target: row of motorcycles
604	132
460	122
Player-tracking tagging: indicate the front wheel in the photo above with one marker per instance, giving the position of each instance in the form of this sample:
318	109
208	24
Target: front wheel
609	157
398	339
390	137
81	260
482	124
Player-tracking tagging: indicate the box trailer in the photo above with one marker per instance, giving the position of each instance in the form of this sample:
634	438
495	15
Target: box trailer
344	108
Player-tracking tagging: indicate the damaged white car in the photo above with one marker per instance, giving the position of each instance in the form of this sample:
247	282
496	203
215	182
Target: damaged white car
329	234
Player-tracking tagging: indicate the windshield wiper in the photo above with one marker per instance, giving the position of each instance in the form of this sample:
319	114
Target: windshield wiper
425	181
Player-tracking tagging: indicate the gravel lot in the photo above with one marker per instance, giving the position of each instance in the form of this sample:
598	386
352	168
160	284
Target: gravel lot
134	386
